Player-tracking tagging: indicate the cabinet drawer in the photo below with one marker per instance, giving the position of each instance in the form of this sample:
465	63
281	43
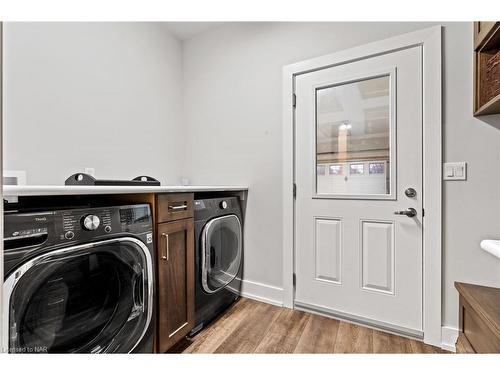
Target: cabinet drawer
172	207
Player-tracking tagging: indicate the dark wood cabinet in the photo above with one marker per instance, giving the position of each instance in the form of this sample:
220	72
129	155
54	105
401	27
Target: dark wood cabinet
175	268
479	313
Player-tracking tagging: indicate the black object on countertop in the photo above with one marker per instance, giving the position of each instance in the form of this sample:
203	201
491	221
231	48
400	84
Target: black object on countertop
84	179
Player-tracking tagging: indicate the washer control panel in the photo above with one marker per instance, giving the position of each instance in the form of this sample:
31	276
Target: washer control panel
76	224
27	233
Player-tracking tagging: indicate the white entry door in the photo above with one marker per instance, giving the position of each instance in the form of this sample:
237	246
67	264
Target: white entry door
358	160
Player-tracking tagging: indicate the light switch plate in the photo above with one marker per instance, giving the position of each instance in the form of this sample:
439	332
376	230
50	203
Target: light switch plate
455	171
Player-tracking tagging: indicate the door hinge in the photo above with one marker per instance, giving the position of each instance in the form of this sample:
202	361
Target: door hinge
294	100
423	212
294	190
294	277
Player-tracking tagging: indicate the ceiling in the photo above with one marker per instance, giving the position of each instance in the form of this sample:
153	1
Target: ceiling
186	30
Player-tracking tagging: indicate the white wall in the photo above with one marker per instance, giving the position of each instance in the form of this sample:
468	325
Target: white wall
101	95
232	102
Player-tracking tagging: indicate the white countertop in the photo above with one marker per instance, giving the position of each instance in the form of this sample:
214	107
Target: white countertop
17	191
491	246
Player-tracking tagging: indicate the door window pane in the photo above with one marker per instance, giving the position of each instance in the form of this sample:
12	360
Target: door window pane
353	133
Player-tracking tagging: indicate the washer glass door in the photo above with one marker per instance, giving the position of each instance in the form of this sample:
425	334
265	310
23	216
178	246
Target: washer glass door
221	247
86	299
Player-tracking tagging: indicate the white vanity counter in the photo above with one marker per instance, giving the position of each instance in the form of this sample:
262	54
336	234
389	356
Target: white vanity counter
492	247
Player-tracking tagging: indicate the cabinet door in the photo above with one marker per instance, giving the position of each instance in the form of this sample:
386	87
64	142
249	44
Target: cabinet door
175	248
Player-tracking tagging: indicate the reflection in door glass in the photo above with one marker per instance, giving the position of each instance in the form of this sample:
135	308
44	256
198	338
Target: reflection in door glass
353	135
377	168
336	169
320	169
357	168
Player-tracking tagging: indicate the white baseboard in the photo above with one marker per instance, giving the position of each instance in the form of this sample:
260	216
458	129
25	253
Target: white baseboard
262	292
449	337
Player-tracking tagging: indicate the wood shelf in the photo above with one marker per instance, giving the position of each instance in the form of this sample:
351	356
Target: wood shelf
486	46
490	108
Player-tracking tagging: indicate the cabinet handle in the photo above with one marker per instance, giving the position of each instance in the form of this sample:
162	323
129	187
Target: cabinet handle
177	207
165	257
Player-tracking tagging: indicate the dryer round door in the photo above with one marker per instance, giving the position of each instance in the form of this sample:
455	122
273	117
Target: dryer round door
92	298
221	244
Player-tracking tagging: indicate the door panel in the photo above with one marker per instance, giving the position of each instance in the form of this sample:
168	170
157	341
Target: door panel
358	148
175	281
377	261
328	249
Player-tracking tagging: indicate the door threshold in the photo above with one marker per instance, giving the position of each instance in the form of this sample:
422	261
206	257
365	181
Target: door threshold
367	322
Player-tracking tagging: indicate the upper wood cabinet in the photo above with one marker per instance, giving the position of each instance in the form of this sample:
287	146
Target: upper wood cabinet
481	30
486	68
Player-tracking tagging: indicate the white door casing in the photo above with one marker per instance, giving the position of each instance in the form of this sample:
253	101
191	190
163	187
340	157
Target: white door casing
354	256
430	42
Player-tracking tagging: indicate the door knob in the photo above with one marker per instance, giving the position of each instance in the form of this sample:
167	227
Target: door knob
410	212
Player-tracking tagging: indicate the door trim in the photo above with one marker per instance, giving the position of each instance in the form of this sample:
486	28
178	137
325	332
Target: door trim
430	41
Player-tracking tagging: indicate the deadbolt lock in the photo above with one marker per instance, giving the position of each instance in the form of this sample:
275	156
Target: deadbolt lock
411	193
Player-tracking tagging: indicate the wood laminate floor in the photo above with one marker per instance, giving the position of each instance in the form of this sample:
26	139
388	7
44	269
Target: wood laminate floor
249	326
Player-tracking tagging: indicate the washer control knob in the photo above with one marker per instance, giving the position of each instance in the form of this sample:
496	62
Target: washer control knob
69	235
91	222
223	205
107	228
